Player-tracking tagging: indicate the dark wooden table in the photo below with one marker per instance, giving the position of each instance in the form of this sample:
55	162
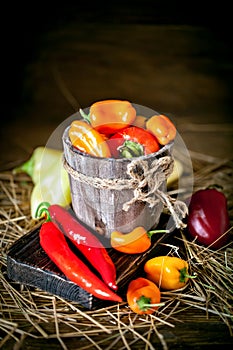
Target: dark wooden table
180	69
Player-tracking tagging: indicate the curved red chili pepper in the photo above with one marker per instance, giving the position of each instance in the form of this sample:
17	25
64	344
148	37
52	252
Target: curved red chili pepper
89	245
132	142
56	247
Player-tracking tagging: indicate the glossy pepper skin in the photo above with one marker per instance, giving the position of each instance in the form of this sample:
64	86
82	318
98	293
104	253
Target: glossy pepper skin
132	142
86	242
167	272
162	128
88	140
56	247
143	296
51	181
110	116
135	242
140	121
208	218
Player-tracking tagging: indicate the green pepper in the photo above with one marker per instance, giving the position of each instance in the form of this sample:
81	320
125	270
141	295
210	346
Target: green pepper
51	181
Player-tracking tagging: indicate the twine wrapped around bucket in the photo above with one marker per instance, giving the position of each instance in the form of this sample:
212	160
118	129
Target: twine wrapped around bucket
145	180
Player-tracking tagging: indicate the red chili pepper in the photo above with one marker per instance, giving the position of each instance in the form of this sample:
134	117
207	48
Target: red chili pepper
89	245
132	142
56	247
208	219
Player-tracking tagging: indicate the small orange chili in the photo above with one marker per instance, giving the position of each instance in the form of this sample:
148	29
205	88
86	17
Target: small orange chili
143	296
134	242
110	116
167	272
162	128
88	140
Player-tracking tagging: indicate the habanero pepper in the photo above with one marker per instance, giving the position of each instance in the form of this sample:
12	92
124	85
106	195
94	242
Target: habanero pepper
143	296
162	128
110	116
56	247
208	220
86	242
132	142
167	272
88	140
135	242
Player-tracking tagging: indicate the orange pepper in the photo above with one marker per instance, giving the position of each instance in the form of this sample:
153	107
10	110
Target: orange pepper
162	128
143	296
134	242
167	272
110	116
84	137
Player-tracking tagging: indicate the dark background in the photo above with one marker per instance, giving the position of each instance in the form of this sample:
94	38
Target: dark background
174	57
25	25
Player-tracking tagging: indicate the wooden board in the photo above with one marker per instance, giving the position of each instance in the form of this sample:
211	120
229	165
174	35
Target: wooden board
27	263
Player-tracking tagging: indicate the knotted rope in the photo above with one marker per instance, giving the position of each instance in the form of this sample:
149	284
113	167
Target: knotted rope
145	180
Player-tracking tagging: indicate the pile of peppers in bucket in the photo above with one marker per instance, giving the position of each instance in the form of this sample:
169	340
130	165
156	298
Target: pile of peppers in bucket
112	128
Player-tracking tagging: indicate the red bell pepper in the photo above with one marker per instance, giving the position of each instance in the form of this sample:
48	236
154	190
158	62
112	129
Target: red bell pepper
56	247
208	219
86	242
132	142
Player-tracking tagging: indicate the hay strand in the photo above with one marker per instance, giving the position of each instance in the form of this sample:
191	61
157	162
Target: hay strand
31	314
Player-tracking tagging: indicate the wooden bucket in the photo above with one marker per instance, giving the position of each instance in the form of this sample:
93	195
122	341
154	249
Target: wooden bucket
102	208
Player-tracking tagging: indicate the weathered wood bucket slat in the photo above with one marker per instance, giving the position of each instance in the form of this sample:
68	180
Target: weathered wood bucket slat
102	208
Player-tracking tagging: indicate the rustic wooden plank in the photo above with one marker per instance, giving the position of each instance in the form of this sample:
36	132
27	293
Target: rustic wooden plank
37	270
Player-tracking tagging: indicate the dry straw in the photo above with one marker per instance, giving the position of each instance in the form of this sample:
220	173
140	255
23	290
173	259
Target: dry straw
30	316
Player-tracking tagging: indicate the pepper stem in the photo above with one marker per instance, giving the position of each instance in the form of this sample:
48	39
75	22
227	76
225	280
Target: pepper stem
131	149
85	116
26	167
144	303
150	233
42	210
184	275
155	305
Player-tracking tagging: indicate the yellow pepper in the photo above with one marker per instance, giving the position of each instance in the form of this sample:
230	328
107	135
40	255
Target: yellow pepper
51	181
88	140
176	174
167	272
